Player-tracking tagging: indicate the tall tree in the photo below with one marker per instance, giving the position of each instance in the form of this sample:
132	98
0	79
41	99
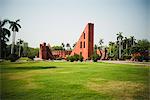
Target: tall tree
120	46
63	45
95	48
20	42
132	40
126	41
68	46
14	26
111	44
100	43
4	35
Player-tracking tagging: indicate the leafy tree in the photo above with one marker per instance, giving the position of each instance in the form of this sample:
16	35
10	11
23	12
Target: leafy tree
4	35
63	45
95	48
141	46
111	46
141	50
57	48
32	52
132	40
100	43
68	46
14	26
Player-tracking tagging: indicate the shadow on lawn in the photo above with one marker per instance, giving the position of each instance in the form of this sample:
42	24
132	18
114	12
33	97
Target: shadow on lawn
34	67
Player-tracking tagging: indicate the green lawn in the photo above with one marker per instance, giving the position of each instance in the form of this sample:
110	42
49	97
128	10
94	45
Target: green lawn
73	81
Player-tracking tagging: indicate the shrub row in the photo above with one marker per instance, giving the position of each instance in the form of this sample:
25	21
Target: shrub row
75	57
95	57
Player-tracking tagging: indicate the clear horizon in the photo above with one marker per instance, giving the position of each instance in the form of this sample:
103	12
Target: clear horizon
57	21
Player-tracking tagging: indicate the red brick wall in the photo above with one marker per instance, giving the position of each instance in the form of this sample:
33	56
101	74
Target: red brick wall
43	51
87	38
60	53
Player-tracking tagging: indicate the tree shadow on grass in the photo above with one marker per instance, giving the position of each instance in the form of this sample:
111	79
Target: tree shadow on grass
34	67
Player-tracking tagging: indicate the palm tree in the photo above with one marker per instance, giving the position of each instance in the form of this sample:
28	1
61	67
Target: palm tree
111	44
63	45
126	40
100	43
100	46
4	34
20	42
74	44
95	48
132	40
14	26
119	39
68	46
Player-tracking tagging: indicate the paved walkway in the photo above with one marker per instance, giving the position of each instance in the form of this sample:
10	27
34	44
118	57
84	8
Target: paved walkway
127	62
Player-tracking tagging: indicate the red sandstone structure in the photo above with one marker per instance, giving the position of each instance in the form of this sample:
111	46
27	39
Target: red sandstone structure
60	53
45	52
83	47
85	43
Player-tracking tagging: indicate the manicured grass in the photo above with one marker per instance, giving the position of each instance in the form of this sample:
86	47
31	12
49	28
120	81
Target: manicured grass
73	81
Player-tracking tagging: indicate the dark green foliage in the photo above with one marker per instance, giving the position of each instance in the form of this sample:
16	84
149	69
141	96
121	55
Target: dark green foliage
67	58
71	58
80	58
75	57
57	48
95	57
141	46
32	52
4	38
13	57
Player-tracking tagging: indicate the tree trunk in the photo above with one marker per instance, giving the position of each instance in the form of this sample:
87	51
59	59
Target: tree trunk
19	50
120	49
110	51
126	49
13	42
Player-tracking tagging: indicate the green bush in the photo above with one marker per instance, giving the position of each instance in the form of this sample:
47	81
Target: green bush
13	57
31	57
95	57
75	57
68	58
71	58
80	58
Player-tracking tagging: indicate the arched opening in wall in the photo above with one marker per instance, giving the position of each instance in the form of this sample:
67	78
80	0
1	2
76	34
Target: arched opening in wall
80	44
84	44
80	53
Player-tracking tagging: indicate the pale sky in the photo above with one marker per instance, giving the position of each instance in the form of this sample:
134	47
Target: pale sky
57	21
